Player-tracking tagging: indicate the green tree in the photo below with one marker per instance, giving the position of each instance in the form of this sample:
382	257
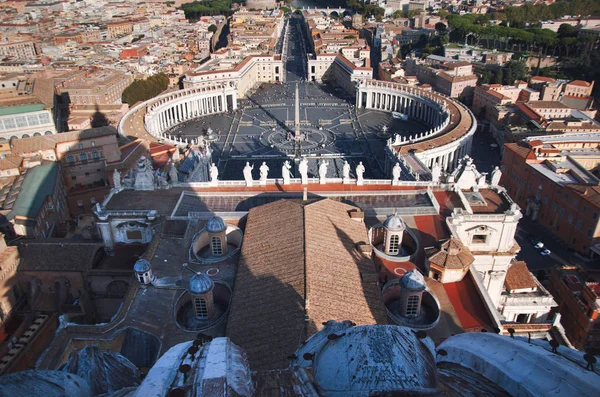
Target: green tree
485	77
566	30
498	76
142	90
515	70
212	28
440	27
398	14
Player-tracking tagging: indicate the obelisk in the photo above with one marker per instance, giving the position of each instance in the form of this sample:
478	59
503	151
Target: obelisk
297	118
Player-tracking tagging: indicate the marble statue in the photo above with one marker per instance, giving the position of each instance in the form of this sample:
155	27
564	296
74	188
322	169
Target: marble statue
214	173
248	174
360	170
323	172
173	173
285	172
346	172
436	172
496	175
303	168
117	179
396	174
264	171
144	175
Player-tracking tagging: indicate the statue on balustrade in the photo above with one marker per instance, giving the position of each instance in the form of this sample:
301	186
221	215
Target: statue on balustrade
285	172
248	174
303	168
360	170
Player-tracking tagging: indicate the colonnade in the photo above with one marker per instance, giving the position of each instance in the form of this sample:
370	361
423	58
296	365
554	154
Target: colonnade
445	116
450	159
168	110
422	109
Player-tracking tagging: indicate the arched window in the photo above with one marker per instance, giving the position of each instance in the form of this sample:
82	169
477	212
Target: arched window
70	159
412	305
394	244
95	154
83	157
201	308
215	243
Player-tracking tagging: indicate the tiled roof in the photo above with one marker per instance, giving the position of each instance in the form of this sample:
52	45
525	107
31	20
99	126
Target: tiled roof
520	149
543	78
579	83
58	255
518	276
299	267
451	254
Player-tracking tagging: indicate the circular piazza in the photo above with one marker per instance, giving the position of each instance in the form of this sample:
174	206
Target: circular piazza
379	124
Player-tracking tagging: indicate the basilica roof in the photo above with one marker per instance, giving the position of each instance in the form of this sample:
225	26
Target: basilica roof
294	277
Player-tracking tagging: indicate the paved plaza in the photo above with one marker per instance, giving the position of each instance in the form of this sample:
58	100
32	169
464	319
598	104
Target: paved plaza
263	126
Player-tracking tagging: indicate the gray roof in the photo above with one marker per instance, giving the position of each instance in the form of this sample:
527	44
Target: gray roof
58	255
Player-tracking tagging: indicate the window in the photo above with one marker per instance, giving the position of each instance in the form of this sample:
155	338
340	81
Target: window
201	308
554	207
83	157
412	305
545	200
570	219
93	200
93	143
70	159
479	239
73	177
394	244
81	146
215	243
141	278
579	224
584	209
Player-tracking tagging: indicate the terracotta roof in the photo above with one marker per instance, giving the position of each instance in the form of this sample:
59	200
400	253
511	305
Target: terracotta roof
9	162
451	254
543	78
298	268
520	149
518	276
579	83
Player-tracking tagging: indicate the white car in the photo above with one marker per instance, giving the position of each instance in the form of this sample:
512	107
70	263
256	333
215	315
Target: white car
545	252
539	245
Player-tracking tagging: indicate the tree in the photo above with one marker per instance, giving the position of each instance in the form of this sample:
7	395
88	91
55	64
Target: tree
440	27
515	70
498	77
566	30
212	28
142	90
443	13
169	3
486	76
398	14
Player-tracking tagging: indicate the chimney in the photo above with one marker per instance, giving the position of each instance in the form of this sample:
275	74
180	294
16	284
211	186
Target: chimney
305	194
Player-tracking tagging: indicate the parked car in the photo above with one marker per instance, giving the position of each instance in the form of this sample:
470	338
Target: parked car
545	252
539	245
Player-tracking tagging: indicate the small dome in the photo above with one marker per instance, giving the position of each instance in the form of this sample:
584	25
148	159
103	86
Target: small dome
394	223
216	225
141	266
200	284
413	280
